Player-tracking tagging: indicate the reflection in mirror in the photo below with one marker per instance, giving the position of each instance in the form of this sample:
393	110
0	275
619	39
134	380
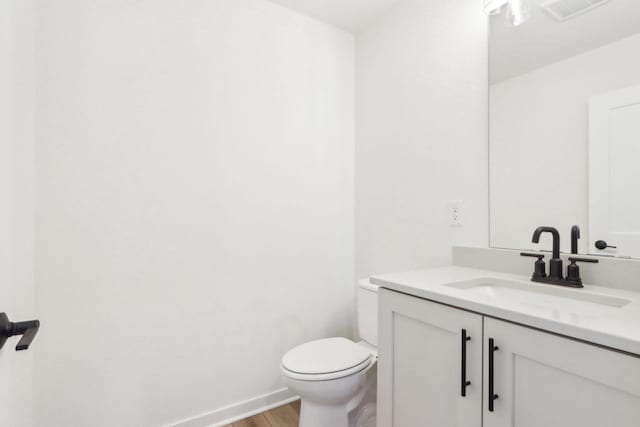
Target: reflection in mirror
565	125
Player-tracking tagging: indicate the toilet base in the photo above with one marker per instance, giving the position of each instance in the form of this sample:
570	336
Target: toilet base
346	402
313	415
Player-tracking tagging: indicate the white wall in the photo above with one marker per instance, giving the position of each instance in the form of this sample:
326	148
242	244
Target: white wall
195	218
421	134
539	143
17	195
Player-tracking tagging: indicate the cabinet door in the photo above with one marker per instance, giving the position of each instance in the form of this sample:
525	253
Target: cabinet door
420	371
543	380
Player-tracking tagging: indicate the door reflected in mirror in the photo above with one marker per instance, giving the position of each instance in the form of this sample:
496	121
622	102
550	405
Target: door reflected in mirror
565	127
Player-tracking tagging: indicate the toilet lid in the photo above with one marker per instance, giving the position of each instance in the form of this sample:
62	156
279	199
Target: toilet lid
326	356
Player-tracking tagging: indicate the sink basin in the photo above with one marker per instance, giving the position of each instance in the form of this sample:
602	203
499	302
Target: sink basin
540	295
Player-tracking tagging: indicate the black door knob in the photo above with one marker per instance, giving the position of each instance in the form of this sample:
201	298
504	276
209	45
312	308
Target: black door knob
601	244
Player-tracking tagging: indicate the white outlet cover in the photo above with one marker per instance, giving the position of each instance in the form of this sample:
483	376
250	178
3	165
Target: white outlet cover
455	212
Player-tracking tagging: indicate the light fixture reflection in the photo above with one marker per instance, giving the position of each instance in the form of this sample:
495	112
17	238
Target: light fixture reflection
518	11
494	7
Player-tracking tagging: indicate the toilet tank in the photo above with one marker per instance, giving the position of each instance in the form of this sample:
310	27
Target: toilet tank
368	312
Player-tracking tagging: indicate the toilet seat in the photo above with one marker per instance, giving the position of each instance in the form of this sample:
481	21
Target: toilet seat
326	359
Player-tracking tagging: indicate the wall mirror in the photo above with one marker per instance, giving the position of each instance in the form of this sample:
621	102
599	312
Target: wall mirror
565	125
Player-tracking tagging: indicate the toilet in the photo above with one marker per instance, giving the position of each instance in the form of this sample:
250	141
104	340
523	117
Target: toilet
336	377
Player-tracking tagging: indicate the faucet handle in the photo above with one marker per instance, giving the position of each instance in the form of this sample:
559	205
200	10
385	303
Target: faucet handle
540	268
573	260
573	270
539	256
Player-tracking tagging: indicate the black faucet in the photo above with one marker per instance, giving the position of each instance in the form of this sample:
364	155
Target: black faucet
555	276
555	265
575	236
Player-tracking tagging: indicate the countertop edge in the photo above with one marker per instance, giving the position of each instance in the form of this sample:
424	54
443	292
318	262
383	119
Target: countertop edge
589	336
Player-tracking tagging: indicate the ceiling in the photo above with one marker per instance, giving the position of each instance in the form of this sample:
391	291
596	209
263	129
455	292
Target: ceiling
539	42
350	15
543	41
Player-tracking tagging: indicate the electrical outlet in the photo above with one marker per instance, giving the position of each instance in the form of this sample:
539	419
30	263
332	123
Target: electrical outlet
454	209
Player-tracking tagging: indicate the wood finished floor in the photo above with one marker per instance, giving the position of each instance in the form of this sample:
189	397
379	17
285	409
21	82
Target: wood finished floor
283	416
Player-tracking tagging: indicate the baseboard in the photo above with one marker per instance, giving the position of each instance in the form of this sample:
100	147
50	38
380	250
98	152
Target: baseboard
241	410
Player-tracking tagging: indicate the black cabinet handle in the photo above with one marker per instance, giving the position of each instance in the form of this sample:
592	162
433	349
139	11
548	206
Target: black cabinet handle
492	396
28	330
463	369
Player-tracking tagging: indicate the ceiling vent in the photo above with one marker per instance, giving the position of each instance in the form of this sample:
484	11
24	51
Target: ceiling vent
562	10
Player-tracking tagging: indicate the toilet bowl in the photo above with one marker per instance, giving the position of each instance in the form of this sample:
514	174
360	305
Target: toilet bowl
336	377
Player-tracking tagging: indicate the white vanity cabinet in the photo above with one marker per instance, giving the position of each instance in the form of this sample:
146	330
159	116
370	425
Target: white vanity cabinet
541	379
545	380
420	371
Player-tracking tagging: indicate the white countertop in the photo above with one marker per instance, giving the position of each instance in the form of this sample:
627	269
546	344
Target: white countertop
614	327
